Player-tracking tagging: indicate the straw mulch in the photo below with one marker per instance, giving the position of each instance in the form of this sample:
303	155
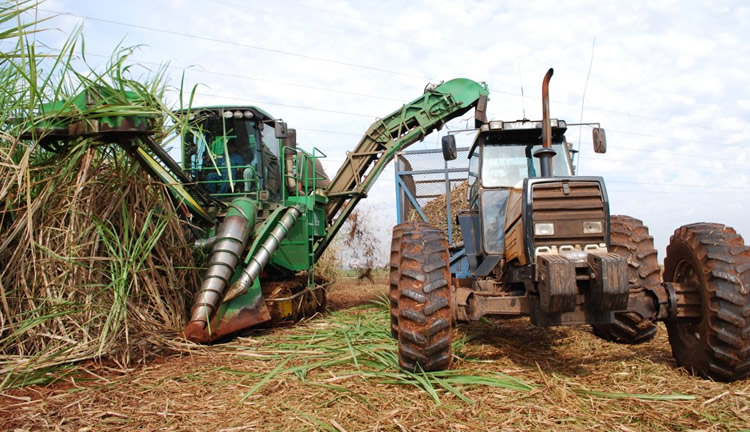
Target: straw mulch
436	211
300	378
93	261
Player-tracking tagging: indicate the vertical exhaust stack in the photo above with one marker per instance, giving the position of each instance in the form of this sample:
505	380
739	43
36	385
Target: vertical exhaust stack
546	153
226	253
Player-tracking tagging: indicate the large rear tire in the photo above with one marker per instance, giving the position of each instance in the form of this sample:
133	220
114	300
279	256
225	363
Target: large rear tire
630	238
714	261
425	319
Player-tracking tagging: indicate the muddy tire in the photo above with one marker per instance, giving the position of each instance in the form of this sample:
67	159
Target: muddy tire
714	261
630	239
425	319
395	261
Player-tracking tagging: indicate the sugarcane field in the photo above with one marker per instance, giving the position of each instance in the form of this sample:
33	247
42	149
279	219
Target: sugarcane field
390	216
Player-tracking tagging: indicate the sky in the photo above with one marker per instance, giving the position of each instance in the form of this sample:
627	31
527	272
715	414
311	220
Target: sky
667	80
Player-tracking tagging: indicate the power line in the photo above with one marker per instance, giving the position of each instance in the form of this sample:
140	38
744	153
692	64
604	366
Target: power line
339	62
319	24
374	23
627	114
681	192
325	89
201	69
666	137
677	153
238	44
254	101
641	161
674	185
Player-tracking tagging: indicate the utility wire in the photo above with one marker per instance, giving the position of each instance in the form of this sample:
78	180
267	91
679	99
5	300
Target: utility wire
674	185
288	105
319	24
354	65
680	192
376	24
652	151
238	44
324	89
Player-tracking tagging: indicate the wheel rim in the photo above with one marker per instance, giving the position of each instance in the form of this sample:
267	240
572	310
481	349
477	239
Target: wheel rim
688	331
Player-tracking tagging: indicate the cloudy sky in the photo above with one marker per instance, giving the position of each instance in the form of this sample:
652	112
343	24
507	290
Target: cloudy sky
668	79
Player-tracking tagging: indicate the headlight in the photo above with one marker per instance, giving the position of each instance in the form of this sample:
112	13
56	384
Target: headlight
591	227
544	229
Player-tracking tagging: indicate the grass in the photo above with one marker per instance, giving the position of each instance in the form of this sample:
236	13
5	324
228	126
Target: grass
360	347
338	372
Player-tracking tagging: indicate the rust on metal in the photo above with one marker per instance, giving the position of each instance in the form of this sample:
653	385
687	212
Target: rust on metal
230	323
546	124
546	153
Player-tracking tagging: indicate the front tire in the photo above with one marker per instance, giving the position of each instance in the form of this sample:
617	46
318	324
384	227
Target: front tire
394	275
630	238
425	319
712	265
395	261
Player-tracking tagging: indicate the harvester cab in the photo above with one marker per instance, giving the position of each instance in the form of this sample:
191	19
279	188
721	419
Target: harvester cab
233	151
538	241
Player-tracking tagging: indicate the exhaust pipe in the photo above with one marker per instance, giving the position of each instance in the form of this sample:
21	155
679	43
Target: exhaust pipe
226	253
546	153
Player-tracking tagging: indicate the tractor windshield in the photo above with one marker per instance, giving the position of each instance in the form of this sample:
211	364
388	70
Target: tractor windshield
505	165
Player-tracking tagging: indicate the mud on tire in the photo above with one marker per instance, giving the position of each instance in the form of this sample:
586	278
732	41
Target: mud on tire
425	310
631	239
715	261
395	262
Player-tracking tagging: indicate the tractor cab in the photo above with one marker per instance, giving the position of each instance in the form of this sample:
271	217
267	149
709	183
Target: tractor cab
233	151
500	158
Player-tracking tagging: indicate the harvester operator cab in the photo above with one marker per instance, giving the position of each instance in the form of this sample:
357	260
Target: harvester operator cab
233	152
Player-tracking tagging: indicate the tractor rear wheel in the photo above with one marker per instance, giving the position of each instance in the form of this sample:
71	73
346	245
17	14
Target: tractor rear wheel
630	239
425	319
711	264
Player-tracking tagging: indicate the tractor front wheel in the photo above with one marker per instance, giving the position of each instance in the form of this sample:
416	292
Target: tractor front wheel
710	265
425	309
630	239
395	261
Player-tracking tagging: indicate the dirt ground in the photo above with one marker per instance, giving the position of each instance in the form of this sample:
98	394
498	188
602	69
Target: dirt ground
203	389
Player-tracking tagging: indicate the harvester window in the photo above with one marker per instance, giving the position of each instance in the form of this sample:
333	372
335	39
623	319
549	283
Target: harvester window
218	143
271	163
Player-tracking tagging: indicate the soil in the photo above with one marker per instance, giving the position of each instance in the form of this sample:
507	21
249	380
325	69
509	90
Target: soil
202	389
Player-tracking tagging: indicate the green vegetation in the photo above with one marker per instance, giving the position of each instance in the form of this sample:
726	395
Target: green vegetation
93	260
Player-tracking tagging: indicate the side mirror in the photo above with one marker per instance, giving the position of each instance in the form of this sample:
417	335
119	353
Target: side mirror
449	147
600	140
280	129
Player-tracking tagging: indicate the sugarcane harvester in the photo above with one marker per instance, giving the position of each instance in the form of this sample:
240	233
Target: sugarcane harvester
262	209
540	242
